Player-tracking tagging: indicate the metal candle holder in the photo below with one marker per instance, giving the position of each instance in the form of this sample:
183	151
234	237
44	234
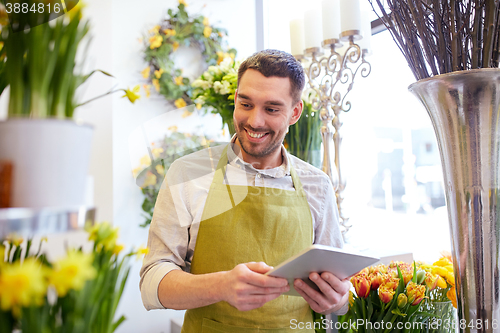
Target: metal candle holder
326	74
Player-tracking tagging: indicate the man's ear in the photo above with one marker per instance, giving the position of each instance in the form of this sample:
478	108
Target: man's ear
297	111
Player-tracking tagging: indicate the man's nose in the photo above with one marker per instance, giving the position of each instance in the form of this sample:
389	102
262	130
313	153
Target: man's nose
256	118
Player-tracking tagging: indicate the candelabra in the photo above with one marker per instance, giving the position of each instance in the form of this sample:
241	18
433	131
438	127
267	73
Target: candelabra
332	75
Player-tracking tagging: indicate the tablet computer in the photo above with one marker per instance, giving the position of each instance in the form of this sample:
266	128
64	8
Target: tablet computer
319	259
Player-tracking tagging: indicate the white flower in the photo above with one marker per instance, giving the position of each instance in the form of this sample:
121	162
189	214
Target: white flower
208	77
214	70
200	100
226	65
221	88
201	84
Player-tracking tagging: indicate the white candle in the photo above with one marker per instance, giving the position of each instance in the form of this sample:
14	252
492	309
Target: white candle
366	31
313	30
331	19
350	13
297	36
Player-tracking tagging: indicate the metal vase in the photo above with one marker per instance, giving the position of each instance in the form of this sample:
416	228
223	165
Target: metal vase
464	109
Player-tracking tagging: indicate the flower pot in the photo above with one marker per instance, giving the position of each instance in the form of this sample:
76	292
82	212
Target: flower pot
465	111
50	161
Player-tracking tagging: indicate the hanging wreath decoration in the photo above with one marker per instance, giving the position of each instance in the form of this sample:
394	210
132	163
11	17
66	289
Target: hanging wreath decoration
179	29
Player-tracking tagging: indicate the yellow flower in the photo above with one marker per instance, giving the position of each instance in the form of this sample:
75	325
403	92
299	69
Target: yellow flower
145	72
155	29
160	169
178	81
145	160
351	298
118	248
1	46
386	293
180	103
169	32
415	293
136	171
150	179
175	45
183	2
452	296
71	272
402	300
198	106
158	73
155	41
104	235
205	21
186	114
4	17
147	90
156	84
207	31
132	95
173	128
141	251
441	282
22	285
157	152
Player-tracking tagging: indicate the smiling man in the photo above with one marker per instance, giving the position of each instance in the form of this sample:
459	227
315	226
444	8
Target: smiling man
217	230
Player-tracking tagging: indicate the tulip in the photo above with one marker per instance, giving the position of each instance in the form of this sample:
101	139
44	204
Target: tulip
420	276
362	285
431	280
351	298
376	280
452	295
415	293
402	300
385	293
441	282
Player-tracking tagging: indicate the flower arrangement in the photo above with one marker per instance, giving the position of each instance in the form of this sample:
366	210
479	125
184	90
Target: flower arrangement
438	37
78	293
216	88
152	169
391	298
179	29
39	63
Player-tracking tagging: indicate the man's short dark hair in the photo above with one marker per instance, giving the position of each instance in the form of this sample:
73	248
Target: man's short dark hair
277	63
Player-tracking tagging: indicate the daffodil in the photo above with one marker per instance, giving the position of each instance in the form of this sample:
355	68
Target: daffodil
150	179
147	89
22	285
145	72
155	41
132	95
156	84
141	251
169	32
207	31
104	235
183	2
71	272
178	80
155	29
118	248
158	73
180	103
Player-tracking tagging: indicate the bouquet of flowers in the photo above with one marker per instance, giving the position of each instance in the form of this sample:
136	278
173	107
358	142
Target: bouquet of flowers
78	293
391	298
216	87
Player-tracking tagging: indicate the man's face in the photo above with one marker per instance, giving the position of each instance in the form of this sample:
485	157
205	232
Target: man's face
263	111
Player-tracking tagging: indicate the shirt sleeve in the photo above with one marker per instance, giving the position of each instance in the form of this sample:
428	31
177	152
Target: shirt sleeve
168	238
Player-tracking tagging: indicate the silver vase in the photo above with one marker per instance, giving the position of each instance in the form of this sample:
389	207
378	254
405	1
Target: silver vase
465	111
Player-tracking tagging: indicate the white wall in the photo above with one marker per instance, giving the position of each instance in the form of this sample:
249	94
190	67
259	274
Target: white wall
130	20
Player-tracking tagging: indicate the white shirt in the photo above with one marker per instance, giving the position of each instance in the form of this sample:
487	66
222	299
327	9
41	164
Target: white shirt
181	200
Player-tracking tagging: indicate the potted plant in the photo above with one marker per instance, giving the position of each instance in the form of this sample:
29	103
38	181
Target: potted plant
48	150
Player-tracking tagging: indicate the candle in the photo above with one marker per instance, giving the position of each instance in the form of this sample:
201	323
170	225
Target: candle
297	36
366	31
313	30
331	19
350	14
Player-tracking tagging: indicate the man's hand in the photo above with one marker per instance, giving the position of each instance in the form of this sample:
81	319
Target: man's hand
334	293
246	287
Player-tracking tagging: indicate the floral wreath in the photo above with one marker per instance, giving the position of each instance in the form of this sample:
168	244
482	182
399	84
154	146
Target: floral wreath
164	39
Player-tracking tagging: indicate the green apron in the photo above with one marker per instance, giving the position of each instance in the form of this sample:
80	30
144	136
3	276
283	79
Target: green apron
265	224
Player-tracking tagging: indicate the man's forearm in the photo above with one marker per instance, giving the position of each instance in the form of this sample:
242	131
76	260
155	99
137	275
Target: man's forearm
179	290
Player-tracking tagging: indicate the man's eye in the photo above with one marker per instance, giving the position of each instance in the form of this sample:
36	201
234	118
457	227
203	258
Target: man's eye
272	110
245	105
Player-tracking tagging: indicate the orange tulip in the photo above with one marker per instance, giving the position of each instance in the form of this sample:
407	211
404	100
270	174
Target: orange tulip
376	280
452	295
385	293
415	293
431	280
362	285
